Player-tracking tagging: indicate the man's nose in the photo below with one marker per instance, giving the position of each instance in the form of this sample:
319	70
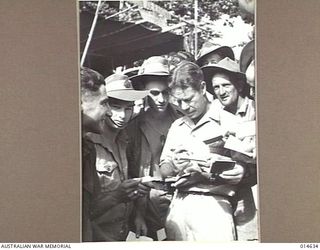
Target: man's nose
121	113
184	106
222	90
160	98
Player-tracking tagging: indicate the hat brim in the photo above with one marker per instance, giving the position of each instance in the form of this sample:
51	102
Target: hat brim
247	55
210	70
131	72
129	95
137	80
227	51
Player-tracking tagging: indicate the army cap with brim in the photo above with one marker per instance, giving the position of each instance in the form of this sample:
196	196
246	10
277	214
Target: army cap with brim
156	66
247	55
208	48
226	66
120	87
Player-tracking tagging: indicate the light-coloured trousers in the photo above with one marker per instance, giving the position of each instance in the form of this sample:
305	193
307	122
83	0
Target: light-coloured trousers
197	217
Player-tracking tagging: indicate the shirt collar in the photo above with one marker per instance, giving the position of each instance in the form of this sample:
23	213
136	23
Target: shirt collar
242	110
187	121
104	141
173	110
99	139
210	115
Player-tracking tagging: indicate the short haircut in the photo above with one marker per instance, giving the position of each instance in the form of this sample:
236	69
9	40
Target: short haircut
187	74
90	80
176	58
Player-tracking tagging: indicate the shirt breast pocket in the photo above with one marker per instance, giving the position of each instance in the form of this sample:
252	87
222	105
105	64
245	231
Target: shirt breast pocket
105	163
106	167
109	177
107	170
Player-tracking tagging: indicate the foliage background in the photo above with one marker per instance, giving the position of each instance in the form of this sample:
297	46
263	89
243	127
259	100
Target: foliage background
219	20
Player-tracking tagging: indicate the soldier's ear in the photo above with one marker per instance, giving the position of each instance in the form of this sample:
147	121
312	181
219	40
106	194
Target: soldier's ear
241	87
203	87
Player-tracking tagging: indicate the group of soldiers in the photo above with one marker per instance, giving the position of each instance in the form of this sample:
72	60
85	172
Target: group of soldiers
170	151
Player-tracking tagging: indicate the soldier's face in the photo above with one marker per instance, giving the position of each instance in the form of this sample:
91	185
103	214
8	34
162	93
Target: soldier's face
121	113
159	95
224	90
95	107
192	102
212	58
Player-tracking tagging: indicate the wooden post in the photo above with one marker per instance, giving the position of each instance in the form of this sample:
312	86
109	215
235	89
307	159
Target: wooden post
90	34
195	28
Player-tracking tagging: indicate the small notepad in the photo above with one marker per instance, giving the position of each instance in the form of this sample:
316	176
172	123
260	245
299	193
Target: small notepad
161	234
132	237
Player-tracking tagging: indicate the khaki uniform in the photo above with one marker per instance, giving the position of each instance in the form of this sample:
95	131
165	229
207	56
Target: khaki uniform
146	141
110	170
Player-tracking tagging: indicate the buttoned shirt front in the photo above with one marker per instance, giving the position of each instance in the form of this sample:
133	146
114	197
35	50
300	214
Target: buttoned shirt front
193	137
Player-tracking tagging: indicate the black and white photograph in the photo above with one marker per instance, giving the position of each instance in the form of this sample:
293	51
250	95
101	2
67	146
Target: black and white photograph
168	121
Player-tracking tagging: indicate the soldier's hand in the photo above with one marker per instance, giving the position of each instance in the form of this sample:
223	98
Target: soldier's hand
233	176
179	161
128	190
143	189
161	201
193	179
